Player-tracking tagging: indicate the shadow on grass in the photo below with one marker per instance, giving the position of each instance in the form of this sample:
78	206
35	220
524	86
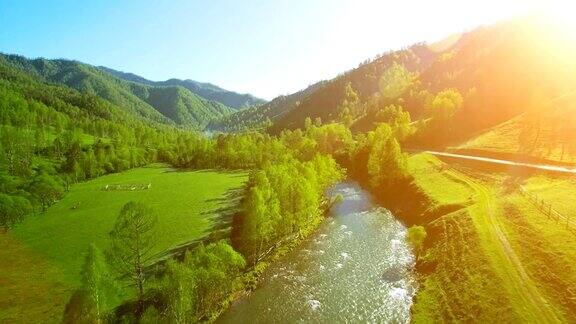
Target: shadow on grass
221	219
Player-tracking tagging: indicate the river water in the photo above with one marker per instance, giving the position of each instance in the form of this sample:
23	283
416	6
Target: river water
356	268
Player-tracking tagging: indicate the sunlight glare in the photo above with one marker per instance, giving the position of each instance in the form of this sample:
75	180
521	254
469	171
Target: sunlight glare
561	14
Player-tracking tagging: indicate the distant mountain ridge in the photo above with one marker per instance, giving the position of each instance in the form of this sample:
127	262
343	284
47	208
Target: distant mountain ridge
262	116
205	90
168	104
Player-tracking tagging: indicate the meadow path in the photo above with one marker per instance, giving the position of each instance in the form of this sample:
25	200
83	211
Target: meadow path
487	215
544	167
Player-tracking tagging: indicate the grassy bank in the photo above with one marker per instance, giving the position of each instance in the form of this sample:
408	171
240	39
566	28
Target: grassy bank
480	262
249	280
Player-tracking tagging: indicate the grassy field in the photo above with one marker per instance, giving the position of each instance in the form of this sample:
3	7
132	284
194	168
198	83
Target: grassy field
546	249
556	191
505	138
480	265
437	181
31	288
55	242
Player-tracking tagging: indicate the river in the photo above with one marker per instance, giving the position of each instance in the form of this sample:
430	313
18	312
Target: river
356	267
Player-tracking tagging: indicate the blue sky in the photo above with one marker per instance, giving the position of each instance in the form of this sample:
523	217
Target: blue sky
266	48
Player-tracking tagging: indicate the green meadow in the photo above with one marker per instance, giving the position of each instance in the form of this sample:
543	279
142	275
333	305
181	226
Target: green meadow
183	201
56	241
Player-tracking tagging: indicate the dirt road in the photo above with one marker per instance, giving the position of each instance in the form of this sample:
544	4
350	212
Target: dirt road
543	167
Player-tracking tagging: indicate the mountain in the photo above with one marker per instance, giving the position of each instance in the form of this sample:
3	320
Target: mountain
205	90
261	116
321	99
184	107
500	71
171	104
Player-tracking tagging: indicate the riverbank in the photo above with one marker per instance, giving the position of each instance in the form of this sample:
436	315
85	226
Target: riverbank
451	266
355	267
249	280
478	263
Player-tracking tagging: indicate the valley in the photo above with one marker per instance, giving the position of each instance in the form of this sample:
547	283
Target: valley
430	183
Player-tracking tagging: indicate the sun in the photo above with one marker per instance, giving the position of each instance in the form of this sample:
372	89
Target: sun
561	15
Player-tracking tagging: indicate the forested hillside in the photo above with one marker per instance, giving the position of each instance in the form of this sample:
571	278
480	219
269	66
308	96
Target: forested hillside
205	90
261	117
499	71
53	136
161	104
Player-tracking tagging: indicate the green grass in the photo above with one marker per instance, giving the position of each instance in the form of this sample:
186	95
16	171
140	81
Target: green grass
505	138
455	286
546	249
502	138
32	289
458	283
557	191
183	201
437	181
40	259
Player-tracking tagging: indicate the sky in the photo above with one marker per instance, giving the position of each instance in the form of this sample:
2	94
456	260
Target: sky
266	48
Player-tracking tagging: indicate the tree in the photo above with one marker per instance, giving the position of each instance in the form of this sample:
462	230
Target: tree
47	189
18	150
395	81
97	282
191	290
307	123
445	104
71	165
179	291
215	267
531	127
398	119
262	208
12	210
78	309
349	106
387	165
133	240
96	294
416	236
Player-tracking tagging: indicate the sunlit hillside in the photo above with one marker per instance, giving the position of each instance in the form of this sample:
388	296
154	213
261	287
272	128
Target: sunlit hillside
430	183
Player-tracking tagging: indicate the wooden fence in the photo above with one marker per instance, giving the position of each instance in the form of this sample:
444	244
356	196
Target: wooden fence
547	209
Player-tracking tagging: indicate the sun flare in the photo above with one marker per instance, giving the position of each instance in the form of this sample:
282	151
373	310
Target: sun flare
561	15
